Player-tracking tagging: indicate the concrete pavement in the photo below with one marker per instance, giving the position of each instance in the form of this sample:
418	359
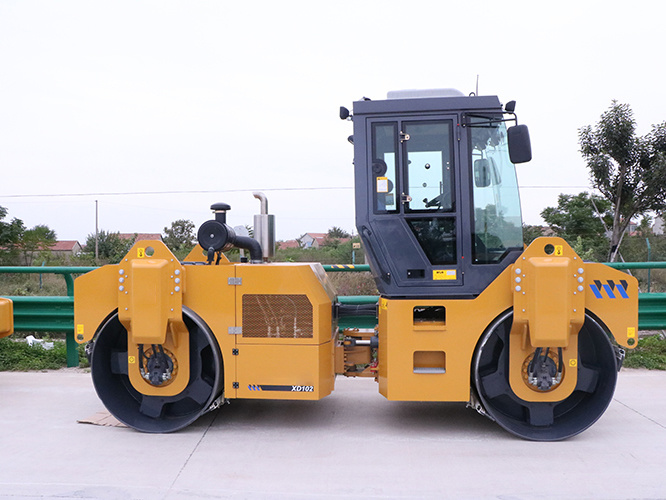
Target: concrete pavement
352	444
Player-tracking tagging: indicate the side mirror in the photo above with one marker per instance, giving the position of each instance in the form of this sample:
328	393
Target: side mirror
520	148
481	173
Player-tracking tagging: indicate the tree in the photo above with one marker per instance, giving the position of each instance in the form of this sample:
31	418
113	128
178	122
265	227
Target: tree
34	240
628	170
334	235
336	232
111	247
576	217
10	235
531	233
180	236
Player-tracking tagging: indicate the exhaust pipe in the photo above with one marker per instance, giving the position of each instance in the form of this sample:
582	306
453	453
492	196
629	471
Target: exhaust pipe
264	227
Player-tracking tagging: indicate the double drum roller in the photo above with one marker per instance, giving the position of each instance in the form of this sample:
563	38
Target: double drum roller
530	337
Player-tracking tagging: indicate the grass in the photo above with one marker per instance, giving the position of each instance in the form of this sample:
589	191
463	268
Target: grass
650	353
17	355
30	284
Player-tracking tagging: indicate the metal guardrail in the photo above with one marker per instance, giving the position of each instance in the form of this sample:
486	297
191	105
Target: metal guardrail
652	311
56	314
48	313
337	268
636	265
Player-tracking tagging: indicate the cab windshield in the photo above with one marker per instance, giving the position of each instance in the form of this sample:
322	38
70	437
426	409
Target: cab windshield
497	218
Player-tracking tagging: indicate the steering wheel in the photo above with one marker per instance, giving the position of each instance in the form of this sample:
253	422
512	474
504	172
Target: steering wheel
443	200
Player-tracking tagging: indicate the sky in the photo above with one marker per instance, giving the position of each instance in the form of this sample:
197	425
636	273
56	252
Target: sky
151	111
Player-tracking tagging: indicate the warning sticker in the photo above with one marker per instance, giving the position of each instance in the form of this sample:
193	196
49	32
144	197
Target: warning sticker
131	360
140	252
444	274
382	185
573	362
559	250
631	332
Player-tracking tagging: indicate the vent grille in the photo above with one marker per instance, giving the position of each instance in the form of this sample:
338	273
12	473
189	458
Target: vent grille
277	316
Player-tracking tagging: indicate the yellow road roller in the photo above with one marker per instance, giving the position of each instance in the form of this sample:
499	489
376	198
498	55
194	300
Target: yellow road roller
530	337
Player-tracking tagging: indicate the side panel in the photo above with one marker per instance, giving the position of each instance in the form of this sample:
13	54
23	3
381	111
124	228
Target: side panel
430	360
284	338
285	371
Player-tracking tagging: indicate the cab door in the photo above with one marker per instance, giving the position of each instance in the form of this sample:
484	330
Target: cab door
429	200
416	219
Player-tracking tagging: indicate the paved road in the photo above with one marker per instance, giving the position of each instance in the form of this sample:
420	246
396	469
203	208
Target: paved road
353	444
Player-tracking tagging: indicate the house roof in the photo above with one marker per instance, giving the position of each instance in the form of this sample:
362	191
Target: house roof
320	237
140	236
64	246
289	244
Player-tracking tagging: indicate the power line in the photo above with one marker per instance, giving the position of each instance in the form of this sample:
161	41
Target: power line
142	193
555	187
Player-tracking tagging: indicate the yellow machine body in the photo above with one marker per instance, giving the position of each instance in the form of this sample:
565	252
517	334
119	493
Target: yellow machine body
272	323
277	336
6	317
549	290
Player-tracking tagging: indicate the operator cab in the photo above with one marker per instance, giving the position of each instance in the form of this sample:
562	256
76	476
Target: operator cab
437	203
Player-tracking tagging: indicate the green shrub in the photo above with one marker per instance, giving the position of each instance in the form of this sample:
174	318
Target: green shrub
19	356
650	353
